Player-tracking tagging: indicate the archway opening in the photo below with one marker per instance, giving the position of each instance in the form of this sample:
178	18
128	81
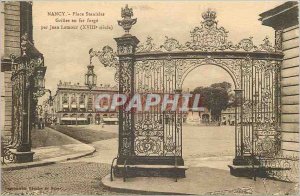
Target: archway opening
209	137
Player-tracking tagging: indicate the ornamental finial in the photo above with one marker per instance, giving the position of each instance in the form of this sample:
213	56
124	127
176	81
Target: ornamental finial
209	17
127	22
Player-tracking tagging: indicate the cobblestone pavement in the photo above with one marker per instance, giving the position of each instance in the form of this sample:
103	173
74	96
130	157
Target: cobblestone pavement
83	176
63	178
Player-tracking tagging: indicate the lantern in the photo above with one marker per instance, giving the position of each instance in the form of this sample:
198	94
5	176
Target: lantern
90	77
40	77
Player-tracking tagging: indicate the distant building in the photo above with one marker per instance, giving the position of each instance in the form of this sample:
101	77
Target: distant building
228	116
196	117
75	104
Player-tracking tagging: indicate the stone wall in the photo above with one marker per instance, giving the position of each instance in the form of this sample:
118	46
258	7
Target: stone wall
11	44
290	90
285	18
12	29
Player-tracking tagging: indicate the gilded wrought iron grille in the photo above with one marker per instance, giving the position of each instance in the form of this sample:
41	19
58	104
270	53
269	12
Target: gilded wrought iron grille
126	124
157	133
18	87
265	107
257	114
155	136
257	85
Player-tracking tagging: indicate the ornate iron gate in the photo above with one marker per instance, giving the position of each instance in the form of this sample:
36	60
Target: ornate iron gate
27	79
155	137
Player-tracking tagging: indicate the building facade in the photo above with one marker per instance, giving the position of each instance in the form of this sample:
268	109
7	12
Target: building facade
228	116
23	71
197	117
284	20
76	104
16	17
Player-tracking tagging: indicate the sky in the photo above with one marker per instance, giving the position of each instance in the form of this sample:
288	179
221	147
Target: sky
66	51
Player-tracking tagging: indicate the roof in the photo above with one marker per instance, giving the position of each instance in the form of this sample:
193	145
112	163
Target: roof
74	87
282	16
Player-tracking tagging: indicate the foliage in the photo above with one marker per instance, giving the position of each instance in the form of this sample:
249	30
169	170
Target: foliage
216	97
224	85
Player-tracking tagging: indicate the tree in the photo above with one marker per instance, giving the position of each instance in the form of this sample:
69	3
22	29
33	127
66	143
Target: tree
224	85
215	97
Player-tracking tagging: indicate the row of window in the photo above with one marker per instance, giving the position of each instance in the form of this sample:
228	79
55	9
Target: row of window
90	115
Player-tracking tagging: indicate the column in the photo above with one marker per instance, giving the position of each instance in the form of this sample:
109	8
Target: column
126	48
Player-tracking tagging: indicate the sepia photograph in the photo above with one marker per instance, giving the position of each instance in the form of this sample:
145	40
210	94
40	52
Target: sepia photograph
149	97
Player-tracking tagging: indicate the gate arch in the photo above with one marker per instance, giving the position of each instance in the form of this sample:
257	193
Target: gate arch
234	78
144	138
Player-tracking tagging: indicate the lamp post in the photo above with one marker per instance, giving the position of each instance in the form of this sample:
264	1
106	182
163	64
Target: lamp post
49	102
40	116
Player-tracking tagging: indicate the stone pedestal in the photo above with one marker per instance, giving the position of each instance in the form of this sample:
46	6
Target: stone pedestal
150	167
22	157
244	166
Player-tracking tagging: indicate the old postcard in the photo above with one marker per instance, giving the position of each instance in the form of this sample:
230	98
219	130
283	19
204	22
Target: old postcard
149	97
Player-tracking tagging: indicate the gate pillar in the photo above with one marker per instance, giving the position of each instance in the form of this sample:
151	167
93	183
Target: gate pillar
126	46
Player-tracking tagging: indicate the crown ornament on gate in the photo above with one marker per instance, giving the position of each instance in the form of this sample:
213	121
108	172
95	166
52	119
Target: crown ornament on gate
209	17
127	22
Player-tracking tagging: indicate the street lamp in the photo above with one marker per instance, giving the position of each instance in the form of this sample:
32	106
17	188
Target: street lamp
39	81
40	78
50	99
49	102
90	77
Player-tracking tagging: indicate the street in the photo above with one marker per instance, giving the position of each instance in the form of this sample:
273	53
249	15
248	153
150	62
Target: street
204	147
211	146
62	178
202	144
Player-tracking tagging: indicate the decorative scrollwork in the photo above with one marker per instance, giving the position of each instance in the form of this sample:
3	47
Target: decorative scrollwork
171	44
148	136
106	56
278	40
208	37
246	44
148	46
148	146
282	167
183	67
266	45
